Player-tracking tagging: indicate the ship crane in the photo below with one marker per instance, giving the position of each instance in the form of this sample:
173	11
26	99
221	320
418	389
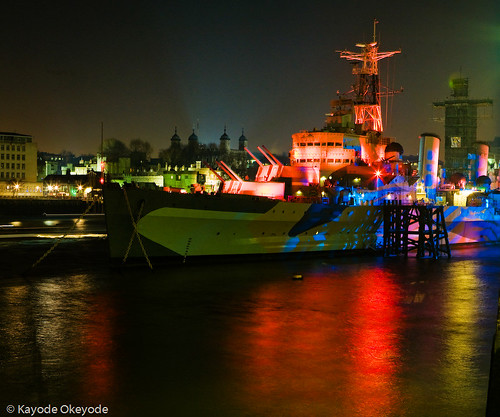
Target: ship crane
366	91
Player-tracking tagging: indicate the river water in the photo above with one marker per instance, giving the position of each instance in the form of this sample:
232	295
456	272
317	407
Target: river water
356	336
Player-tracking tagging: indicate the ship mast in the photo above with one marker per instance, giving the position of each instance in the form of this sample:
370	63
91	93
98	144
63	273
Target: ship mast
366	90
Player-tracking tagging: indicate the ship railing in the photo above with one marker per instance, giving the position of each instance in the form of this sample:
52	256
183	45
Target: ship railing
304	199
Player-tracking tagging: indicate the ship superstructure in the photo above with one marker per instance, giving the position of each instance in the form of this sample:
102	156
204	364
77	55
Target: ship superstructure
353	128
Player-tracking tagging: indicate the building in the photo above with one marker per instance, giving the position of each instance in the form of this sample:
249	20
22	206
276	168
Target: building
462	150
18	157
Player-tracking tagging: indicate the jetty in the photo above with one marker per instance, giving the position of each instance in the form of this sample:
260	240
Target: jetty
415	227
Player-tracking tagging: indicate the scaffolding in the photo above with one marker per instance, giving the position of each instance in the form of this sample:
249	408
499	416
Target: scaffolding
460	126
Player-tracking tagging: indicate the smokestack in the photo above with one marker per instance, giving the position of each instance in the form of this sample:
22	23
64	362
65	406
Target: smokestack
428	162
482	150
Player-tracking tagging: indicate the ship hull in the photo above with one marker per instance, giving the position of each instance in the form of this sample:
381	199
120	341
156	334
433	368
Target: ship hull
158	224
172	226
467	225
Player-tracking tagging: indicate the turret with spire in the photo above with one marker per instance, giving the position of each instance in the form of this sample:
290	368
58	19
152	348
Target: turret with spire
175	140
225	142
243	141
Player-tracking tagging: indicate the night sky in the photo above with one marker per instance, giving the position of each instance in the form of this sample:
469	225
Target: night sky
270	67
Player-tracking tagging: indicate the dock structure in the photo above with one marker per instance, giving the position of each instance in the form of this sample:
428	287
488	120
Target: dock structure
415	227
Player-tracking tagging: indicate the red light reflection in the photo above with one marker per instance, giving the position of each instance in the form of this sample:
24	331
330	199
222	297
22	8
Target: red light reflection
323	349
374	345
97	338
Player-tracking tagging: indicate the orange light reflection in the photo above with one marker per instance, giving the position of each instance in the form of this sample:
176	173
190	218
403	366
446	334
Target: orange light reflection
314	351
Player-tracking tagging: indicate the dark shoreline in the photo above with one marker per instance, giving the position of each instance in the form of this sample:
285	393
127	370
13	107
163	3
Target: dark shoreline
39	206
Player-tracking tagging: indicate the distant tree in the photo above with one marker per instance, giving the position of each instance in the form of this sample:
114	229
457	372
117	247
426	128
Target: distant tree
114	149
67	156
209	153
138	145
171	156
140	153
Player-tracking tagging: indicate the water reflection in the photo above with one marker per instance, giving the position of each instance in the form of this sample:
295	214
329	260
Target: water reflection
58	337
374	337
463	307
99	344
320	347
369	337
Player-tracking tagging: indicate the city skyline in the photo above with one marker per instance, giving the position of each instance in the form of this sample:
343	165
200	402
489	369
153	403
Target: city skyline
270	69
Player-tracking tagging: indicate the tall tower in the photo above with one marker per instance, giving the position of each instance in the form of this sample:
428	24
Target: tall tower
175	140
242	141
366	89
225	142
460	129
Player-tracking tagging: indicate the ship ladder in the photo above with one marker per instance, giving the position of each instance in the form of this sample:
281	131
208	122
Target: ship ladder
135	232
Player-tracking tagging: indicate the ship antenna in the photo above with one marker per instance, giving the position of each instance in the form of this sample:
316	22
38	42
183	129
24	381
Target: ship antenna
375	21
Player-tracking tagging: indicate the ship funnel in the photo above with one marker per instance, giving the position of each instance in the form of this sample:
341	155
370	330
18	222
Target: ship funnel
482	150
428	163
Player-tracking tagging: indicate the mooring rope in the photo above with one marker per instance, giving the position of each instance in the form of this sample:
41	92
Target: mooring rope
135	232
63	236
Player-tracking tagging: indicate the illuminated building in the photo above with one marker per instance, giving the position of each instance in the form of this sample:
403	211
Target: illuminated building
462	150
18	157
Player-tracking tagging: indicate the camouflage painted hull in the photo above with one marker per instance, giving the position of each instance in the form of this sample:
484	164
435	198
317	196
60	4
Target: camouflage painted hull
171	225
